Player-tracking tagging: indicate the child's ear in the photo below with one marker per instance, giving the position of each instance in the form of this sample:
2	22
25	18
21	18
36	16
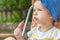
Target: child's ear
33	1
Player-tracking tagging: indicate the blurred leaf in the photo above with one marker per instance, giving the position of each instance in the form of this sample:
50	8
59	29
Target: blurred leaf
16	14
15	6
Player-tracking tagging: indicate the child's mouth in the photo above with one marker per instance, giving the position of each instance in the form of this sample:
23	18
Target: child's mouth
36	19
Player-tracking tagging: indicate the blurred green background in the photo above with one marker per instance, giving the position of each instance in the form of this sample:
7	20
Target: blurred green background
13	10
11	13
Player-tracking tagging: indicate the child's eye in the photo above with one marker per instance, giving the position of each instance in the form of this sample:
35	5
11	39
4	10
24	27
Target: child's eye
39	9
34	10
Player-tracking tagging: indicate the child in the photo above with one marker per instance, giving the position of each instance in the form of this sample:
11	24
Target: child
44	28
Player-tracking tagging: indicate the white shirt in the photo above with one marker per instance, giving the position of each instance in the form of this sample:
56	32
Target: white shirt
52	34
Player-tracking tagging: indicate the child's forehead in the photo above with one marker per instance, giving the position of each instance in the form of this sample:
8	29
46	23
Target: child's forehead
38	5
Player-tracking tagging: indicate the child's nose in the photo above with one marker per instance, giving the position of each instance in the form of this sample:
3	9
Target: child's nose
35	13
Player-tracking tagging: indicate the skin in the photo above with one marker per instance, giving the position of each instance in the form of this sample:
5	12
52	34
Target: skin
40	16
18	34
38	8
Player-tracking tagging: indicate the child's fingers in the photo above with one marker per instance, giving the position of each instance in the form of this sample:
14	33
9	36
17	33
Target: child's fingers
17	32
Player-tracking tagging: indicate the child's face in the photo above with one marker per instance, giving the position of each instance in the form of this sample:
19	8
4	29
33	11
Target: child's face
40	14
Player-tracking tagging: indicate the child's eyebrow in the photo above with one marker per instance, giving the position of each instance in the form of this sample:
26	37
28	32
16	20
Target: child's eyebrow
38	9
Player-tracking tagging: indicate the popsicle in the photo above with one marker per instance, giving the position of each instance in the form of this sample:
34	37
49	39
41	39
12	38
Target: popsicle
21	25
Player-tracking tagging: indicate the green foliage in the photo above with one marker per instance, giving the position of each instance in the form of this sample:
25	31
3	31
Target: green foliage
14	3
16	14
15	6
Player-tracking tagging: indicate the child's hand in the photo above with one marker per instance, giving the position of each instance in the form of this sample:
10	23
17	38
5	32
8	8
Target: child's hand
18	30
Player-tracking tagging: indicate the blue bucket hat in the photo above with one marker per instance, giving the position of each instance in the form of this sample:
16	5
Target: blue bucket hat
53	7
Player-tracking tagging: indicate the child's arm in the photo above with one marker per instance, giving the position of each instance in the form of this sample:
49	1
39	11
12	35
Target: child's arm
18	31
